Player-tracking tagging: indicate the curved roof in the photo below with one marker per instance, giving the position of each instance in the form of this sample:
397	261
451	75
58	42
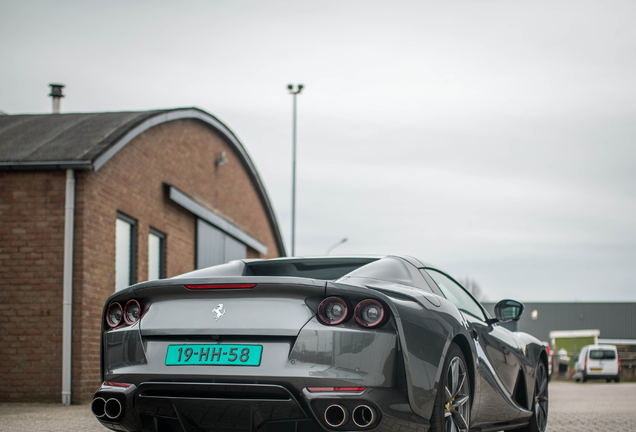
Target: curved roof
88	140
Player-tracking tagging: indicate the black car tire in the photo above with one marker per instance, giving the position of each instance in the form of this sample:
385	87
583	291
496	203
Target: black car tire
539	419
453	400
617	379
584	378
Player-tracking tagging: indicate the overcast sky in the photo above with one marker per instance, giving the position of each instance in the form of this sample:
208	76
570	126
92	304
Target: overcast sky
495	139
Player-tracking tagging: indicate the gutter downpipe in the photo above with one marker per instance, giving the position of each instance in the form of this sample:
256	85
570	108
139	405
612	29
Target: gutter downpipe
67	303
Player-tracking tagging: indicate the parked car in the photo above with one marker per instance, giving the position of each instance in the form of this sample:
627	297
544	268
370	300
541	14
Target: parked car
598	362
316	344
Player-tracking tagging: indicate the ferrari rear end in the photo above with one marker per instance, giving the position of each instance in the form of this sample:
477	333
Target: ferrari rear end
252	353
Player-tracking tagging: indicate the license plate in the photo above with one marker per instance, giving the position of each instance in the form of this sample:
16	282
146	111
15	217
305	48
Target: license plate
597	369
218	354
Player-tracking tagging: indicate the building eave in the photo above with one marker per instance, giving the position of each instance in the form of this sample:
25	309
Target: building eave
48	165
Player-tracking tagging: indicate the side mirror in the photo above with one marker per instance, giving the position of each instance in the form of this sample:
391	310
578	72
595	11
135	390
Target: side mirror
508	310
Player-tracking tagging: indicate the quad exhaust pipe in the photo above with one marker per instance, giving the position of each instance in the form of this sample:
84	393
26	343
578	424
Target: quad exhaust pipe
97	407
110	408
363	416
336	415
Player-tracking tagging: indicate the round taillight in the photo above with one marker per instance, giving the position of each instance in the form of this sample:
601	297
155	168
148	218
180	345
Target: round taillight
333	310
114	314
132	312
370	313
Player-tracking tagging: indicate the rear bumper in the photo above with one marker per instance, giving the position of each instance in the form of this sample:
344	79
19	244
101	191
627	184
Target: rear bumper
596	375
224	407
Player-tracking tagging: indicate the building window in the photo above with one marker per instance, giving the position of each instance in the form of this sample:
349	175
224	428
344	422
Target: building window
214	247
125	251
156	255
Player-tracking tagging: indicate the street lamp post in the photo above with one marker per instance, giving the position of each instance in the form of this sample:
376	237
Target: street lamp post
293	92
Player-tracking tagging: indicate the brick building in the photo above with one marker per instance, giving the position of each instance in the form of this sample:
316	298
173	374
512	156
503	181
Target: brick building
143	195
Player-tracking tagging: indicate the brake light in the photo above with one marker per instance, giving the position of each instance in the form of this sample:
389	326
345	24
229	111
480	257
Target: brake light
116	384
333	311
132	312
585	364
335	389
370	313
114	314
221	286
619	364
122	316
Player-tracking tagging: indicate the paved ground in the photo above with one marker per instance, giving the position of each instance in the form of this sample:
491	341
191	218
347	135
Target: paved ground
592	406
23	417
574	407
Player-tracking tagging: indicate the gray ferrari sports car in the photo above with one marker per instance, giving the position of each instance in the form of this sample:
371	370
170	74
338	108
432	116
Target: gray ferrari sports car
316	344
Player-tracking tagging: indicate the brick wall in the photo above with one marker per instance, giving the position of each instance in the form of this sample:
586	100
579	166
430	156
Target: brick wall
31	272
181	153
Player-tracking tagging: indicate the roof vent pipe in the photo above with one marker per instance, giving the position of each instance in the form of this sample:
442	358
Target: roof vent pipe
56	94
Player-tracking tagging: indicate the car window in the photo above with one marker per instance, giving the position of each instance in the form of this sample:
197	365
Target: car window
420	282
457	295
325	269
601	354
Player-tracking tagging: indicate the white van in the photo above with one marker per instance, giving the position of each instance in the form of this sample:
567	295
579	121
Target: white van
598	362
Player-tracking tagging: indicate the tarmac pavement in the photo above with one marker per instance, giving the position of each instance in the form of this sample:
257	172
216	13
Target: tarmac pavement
574	407
592	406
39	417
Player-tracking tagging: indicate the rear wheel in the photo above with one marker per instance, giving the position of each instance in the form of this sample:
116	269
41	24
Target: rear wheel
539	419
451	412
617	379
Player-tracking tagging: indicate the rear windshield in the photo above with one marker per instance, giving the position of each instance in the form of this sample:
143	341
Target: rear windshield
598	354
315	269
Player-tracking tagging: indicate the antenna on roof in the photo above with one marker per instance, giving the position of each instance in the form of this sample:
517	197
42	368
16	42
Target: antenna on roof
56	94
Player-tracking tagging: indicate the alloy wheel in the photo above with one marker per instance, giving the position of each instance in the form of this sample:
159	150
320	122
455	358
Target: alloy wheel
541	398
456	397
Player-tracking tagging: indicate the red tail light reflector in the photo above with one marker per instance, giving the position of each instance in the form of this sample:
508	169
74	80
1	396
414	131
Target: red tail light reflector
114	314
370	313
116	384
333	311
221	286
132	312
335	389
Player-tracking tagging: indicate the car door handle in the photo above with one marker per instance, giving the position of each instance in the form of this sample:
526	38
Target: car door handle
474	333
